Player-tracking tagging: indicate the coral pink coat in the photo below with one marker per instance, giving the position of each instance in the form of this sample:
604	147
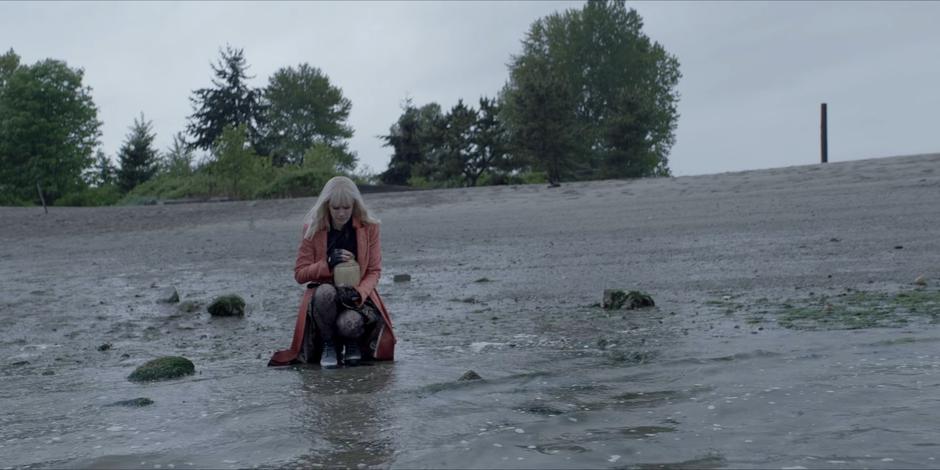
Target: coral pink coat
311	266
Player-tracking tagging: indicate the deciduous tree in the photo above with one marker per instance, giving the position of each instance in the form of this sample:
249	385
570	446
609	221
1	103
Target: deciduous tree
304	109
237	163
615	85
178	159
49	128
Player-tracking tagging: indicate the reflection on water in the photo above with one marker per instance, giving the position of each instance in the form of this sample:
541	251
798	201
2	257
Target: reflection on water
343	416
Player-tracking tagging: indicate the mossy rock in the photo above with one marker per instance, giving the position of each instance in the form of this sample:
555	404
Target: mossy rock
227	306
133	403
167	367
616	299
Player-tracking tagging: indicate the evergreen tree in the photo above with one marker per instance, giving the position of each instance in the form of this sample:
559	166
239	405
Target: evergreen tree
231	102
415	141
459	146
544	132
103	172
450	149
406	148
137	157
491	139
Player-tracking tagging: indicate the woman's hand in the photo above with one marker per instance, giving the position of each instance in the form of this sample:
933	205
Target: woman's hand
348	297
338	256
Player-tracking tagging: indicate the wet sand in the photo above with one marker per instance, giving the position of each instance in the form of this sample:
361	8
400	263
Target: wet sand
504	282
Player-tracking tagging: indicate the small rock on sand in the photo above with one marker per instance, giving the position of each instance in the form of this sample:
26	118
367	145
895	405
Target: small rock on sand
134	402
401	278
920	281
189	306
617	298
469	375
168	296
480	346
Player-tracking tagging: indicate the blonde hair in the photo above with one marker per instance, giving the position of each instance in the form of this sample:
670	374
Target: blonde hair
341	190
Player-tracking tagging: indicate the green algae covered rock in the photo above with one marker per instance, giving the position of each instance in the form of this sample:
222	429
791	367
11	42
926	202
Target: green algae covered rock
227	306
133	403
615	299
167	367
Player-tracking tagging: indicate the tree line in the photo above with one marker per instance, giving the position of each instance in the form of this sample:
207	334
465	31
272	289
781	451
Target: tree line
285	138
590	96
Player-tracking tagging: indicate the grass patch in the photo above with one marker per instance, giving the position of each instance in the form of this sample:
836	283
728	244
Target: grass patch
850	310
857	310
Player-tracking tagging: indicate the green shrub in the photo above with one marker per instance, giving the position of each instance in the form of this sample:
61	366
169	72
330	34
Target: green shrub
293	181
198	184
7	198
533	177
106	195
421	182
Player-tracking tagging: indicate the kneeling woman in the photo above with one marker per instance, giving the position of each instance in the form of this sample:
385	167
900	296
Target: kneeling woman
339	321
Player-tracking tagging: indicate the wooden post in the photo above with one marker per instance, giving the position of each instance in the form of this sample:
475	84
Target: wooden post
823	135
41	198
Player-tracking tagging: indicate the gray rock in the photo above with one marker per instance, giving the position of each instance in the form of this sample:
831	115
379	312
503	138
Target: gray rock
401	278
469	375
617	298
189	306
168	296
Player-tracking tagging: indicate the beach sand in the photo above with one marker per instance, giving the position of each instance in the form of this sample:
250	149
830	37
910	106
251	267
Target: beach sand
504	282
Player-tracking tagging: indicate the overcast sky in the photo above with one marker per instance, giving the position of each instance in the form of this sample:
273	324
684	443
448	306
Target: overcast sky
754	73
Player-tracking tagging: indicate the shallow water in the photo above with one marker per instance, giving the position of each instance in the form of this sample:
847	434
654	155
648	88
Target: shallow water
775	399
707	379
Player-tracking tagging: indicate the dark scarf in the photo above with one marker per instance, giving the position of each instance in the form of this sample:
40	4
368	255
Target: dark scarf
344	238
